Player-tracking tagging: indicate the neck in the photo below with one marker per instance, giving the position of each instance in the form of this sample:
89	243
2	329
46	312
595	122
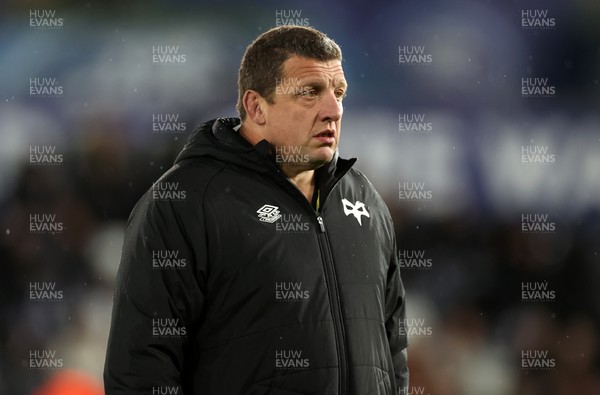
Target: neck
304	180
249	134
301	177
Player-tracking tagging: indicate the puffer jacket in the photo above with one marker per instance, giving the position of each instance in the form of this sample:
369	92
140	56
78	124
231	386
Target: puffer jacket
230	282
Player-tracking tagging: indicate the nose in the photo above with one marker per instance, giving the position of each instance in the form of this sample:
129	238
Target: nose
331	108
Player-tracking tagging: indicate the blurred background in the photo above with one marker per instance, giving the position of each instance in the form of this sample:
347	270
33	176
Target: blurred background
477	120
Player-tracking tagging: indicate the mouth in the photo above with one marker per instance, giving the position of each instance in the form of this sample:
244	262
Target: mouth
326	136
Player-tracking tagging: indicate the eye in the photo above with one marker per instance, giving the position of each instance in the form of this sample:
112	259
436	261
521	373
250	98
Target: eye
340	93
308	92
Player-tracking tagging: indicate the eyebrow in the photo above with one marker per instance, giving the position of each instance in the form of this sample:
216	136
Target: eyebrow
316	81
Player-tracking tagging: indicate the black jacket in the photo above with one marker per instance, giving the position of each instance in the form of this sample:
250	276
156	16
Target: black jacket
231	283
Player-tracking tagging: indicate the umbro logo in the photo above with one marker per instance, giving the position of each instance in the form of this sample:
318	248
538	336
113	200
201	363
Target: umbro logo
357	209
268	213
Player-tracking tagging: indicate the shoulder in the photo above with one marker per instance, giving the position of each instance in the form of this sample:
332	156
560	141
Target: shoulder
178	192
193	174
361	182
366	191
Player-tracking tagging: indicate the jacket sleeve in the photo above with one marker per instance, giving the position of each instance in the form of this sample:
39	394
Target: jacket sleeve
158	298
396	323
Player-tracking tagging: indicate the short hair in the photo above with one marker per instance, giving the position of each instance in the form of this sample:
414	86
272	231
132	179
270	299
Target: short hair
262	64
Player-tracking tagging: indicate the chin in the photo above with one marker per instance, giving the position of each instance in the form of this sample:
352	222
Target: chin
319	161
324	154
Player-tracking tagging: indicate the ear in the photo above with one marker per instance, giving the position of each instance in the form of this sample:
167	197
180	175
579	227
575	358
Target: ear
253	104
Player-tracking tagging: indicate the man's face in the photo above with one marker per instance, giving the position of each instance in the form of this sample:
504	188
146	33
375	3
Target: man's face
304	121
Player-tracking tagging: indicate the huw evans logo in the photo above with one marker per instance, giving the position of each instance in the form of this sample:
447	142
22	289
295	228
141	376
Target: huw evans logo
167	123
44	155
413	123
168	191
45	87
167	259
413	259
415	327
268	213
167	327
414	55
289	86
44	19
290	17
537	360
537	155
167	54
290	156
44	292
537	223
292	223
44	359
290	359
537	291
290	292
414	390
537	19
537	87
414	191
166	390
45	223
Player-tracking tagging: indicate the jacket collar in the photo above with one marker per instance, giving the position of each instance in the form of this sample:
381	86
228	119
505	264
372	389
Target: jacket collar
229	146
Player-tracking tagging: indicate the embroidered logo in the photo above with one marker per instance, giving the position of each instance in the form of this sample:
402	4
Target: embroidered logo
268	213
358	210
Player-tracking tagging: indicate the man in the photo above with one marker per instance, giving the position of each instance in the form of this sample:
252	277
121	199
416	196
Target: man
262	263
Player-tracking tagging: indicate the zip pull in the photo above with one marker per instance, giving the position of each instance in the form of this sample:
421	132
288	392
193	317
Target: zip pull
321	224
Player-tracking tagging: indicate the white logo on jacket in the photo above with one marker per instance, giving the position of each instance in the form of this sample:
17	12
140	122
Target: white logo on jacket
268	213
357	209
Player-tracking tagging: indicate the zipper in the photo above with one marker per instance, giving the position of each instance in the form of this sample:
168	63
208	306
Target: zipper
321	224
335	303
330	277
